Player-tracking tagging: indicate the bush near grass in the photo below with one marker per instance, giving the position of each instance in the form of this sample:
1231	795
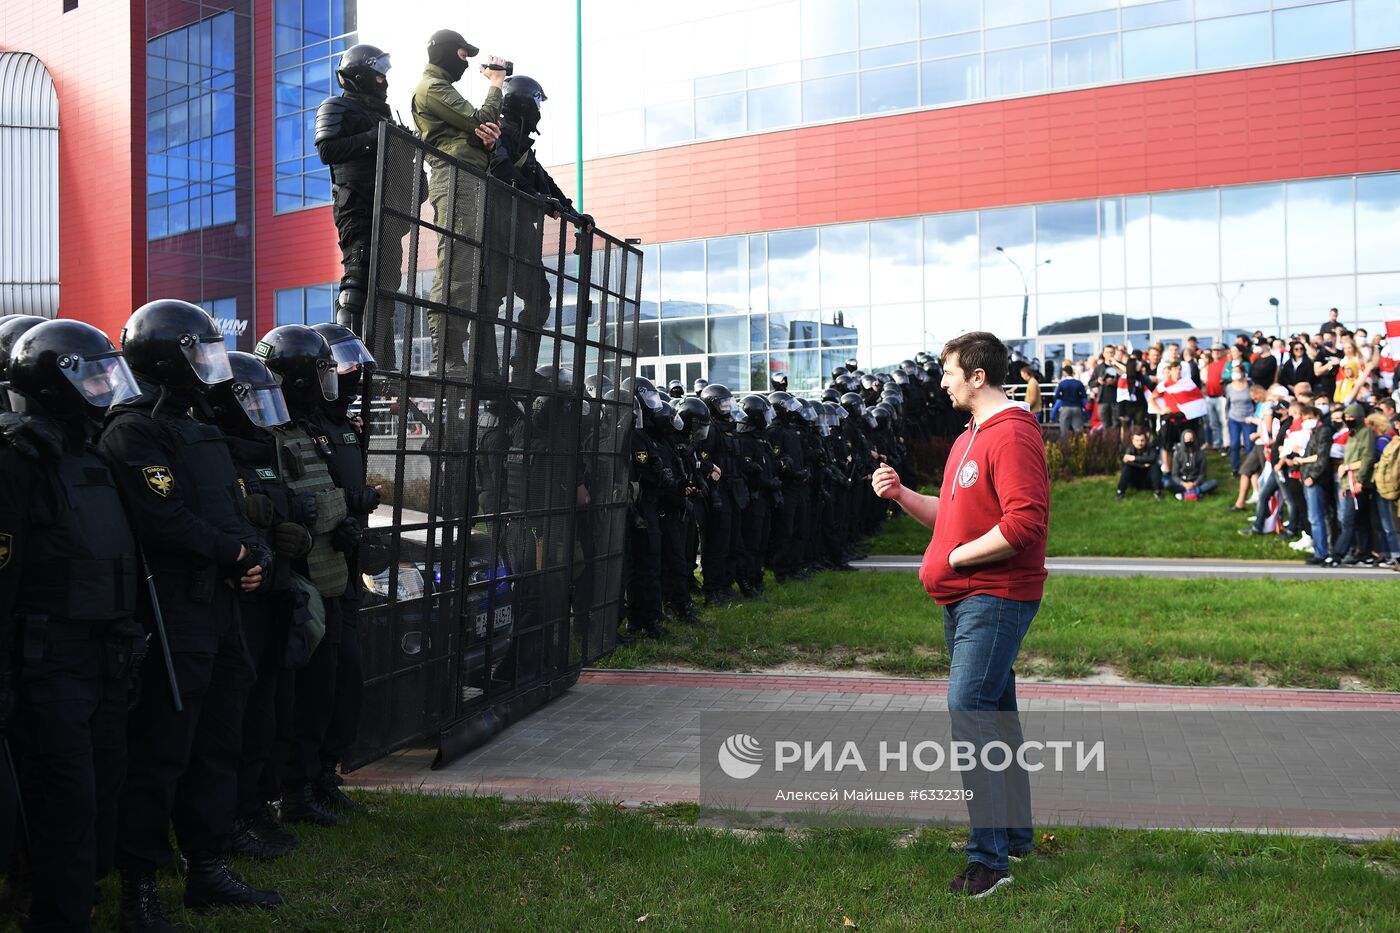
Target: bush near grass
411	862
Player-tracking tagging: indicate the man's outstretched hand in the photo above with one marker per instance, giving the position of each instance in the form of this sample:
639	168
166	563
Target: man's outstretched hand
886	482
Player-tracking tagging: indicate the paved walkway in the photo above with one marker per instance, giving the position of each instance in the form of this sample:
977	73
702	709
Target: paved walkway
634	736
1161	567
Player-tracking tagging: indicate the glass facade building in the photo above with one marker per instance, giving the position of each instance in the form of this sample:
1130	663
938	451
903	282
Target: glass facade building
309	37
760	67
1203	262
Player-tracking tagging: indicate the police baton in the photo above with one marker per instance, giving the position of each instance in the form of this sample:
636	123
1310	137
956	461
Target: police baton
160	633
13	775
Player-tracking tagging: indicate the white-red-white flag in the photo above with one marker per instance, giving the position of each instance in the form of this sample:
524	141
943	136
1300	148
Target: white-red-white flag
1183	396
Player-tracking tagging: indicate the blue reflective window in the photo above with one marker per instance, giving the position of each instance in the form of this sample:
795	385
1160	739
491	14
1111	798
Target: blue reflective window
1312	30
1009	37
952	79
670	123
1208	8
944	17
1234	40
841	64
1017	71
1377	23
951	45
719	84
722	115
1010	12
889	89
774	106
829	98
310	35
1156	14
1085	25
885	21
1158	51
190	120
224	311
313	304
1093	60
890	55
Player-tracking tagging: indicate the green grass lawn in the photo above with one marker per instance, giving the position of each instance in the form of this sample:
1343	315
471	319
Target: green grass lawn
1086	520
425	863
1207	631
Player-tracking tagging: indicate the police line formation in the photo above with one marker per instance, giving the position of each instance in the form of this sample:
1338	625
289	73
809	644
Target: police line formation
181	545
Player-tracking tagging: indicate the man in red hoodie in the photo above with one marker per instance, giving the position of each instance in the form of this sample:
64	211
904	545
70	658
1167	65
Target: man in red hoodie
986	567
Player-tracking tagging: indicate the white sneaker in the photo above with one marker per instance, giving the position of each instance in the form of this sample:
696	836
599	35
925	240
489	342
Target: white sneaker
1252	500
1302	544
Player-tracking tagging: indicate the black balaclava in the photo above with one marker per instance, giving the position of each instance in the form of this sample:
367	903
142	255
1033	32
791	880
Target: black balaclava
442	51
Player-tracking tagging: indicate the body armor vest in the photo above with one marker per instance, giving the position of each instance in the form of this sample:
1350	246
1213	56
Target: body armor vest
304	471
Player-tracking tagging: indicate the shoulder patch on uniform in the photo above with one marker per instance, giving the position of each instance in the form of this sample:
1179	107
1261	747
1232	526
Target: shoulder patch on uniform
641	456
5	549
262	349
349	437
159	479
266	473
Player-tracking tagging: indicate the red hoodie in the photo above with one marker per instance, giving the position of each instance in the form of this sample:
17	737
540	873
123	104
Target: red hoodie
995	477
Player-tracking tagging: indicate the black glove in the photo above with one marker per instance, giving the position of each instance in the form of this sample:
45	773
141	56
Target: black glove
291	540
9	695
34	438
257	556
584	220
363	500
346	535
258	509
305	511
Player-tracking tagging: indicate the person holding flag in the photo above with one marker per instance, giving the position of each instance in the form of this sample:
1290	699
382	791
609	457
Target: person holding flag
1180	403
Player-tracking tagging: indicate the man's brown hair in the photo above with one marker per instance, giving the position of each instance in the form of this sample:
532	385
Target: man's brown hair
978	349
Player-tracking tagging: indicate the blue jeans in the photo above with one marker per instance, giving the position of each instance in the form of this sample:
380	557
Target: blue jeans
1383	527
983	635
1316	495
1346	522
1240	444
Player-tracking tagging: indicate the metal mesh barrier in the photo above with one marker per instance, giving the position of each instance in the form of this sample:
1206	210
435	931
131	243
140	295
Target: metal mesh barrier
501	536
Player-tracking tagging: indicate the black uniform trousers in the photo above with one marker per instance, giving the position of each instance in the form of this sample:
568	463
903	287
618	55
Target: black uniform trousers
260	767
314	703
183	767
353	212
677	567
69	741
790	528
509	275
644	540
717	550
755	522
349	682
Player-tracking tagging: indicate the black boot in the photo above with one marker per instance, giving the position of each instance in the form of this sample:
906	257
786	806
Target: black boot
266	825
140	907
330	796
247	842
301	806
209	882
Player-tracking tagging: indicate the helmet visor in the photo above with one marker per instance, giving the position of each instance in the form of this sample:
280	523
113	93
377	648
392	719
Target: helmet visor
381	63
677	422
700	433
726	406
350	355
650	398
208	358
102	381
769	416
330	382
264	405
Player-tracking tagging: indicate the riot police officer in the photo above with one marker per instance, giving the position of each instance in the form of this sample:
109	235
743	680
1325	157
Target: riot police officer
778	382
675	512
756	461
785	544
247	409
181	491
729	496
513	161
12	327
656	485
675	389
347	136
306	366
345	435
69	642
701	478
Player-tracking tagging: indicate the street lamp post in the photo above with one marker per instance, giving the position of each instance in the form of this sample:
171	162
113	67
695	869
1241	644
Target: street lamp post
1025	289
1229	305
1274	302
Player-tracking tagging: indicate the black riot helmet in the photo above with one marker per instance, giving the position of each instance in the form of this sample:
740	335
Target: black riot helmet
758	411
251	400
302	359
852	365
644	390
779	382
174	343
787	406
71	370
809	411
12	327
721	401
699	385
901	377
597	385
695	418
445	48
853	403
347	348
837	373
521	99
831	395
675	388
560	377
665	421
868	382
883	413
363	70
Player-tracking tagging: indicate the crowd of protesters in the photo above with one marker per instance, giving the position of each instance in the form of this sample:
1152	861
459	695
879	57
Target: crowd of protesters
1303	424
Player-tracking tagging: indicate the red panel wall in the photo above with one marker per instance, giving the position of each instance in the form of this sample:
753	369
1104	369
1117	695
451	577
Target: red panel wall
96	55
1330	117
